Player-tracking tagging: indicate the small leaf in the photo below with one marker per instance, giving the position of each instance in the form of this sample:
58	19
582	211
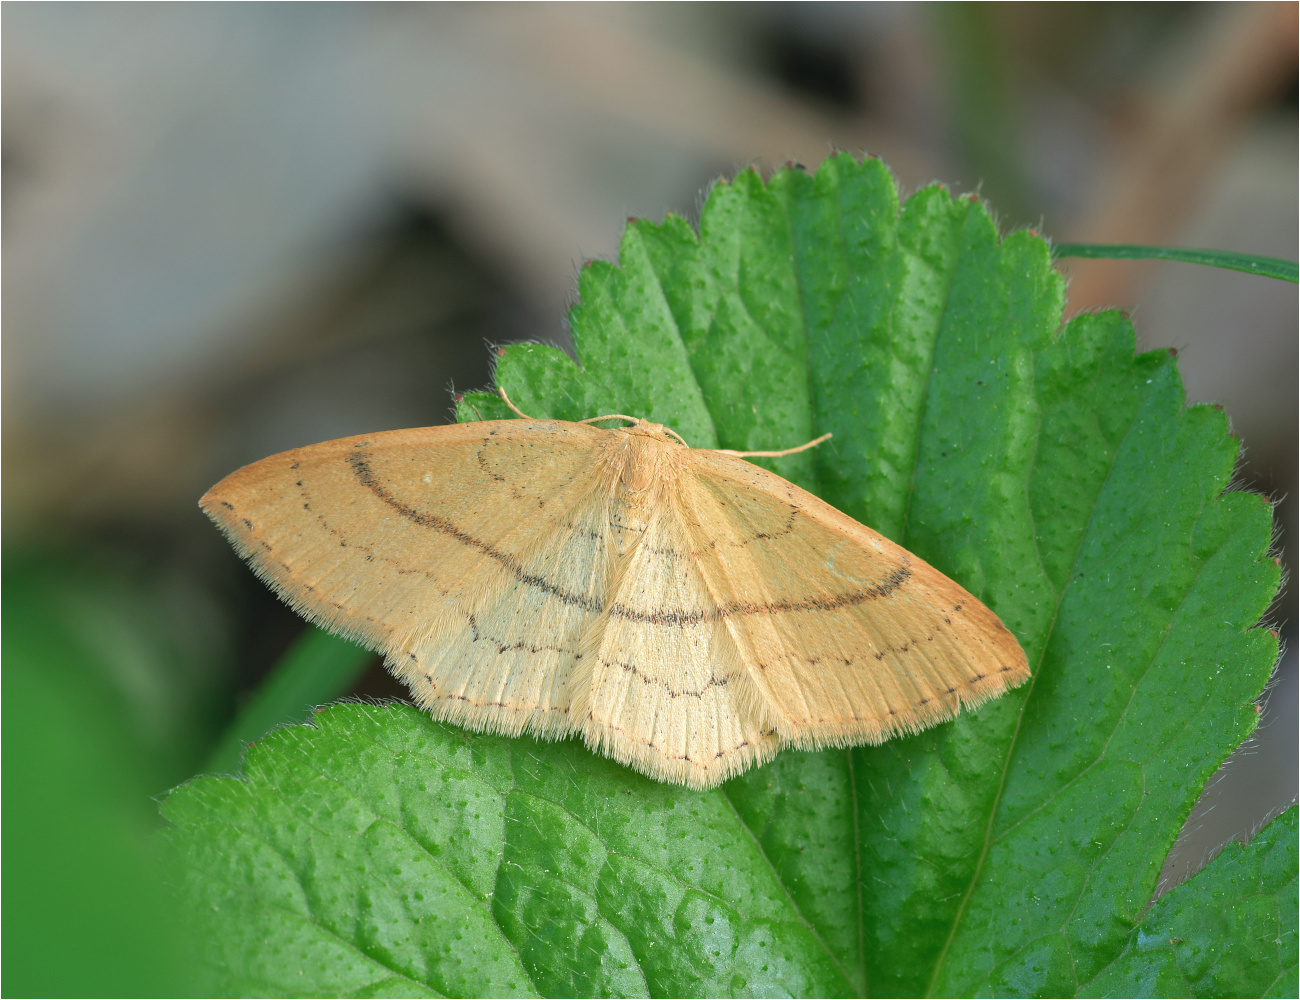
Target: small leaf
1228	932
1251	263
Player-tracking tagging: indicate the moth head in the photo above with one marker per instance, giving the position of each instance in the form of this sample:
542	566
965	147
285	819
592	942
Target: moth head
644	428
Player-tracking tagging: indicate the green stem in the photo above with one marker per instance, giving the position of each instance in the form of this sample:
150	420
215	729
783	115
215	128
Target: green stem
1251	263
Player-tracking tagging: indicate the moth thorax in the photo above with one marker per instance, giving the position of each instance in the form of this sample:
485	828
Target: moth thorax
648	465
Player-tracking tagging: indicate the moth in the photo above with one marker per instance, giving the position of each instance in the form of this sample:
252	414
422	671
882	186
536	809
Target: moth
683	610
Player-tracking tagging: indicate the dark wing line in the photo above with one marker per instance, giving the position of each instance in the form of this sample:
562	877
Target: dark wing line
360	463
805	501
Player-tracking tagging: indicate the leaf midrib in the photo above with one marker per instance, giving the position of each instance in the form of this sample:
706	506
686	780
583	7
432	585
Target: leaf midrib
849	272
725	797
816	426
857	863
915	453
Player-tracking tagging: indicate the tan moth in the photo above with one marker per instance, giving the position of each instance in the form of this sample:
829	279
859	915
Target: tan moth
683	610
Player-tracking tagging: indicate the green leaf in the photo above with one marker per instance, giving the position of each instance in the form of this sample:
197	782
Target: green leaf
384	853
1251	263
1230	931
318	667
1049	470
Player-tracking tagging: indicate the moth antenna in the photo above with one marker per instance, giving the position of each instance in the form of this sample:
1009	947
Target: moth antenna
501	391
775	454
610	416
631	420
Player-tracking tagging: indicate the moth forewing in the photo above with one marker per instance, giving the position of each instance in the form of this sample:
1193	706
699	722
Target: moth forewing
683	610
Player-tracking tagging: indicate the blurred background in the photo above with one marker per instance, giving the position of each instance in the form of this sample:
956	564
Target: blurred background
232	229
